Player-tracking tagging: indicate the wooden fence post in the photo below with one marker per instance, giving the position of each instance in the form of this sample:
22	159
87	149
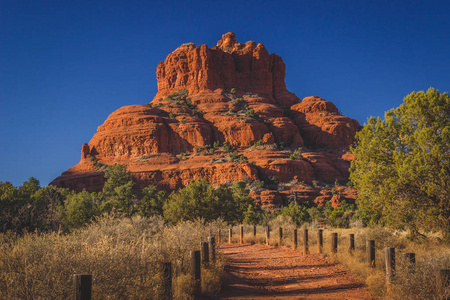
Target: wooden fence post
410	262
82	286
442	282
295	243
230	235
305	242
204	248
212	248
320	240
267	235
254	230
370	253
390	266
241	237
334	242
280	236
351	243
166	281
196	272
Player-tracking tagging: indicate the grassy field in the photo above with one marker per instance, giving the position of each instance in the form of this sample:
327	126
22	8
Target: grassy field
123	255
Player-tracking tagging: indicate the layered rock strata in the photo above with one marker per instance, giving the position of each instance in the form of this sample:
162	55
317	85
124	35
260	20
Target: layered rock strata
223	114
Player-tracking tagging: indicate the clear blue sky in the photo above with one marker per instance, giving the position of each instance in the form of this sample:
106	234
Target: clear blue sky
66	65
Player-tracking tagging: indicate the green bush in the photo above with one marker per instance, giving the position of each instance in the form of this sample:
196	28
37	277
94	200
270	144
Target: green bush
235	157
201	200
118	193
152	201
297	154
298	212
227	147
196	112
254	215
80	209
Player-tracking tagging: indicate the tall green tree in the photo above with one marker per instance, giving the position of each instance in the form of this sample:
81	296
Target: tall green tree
402	165
152	201
298	212
254	215
79	209
201	200
30	207
118	192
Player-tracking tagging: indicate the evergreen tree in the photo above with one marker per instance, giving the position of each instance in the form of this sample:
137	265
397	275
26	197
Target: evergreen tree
402	165
152	201
118	193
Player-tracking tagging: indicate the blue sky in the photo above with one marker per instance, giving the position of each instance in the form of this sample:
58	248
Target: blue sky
66	65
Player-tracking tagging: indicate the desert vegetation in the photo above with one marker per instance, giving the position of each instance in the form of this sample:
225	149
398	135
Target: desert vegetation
124	256
402	165
121	235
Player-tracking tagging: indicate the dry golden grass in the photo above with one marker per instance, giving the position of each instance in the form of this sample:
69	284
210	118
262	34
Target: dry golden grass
431	256
123	256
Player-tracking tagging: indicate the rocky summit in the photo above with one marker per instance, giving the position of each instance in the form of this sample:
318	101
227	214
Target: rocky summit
224	114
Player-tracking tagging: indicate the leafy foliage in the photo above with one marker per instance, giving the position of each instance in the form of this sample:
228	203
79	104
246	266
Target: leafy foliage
29	206
201	200
297	154
340	216
118	192
152	201
402	165
254	215
79	209
298	212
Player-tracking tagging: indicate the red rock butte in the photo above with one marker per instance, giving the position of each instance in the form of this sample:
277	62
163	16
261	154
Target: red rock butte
223	114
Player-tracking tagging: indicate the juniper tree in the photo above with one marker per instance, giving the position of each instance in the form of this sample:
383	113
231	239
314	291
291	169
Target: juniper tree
402	165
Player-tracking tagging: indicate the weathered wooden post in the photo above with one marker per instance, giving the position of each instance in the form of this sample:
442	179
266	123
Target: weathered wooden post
295	243
280	236
254	230
334	242
410	262
320	240
389	254
219	235
230	235
267	235
241	237
305	242
212	248
370	253
82	284
196	272
166	281
351	243
204	248
442	282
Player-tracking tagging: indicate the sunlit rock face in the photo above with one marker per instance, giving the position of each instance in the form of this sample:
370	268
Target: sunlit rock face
231	96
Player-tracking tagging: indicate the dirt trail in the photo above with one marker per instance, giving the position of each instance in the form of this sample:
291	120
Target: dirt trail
262	272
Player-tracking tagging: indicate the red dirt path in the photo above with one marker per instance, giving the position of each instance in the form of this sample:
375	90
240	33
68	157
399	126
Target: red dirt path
262	272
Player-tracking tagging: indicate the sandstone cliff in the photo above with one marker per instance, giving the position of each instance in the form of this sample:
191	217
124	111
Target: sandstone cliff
224	114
